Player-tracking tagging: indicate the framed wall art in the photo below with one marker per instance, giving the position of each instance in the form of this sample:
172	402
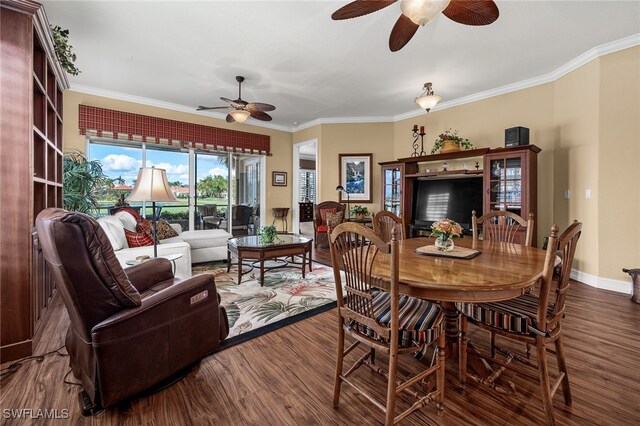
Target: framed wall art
279	179
355	177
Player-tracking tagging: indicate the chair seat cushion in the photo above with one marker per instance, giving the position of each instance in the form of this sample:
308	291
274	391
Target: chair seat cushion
420	321
516	315
323	228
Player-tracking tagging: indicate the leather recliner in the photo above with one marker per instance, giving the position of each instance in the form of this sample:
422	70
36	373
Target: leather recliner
132	329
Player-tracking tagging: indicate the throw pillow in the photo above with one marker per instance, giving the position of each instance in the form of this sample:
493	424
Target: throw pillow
137	239
164	230
132	212
145	226
334	219
323	214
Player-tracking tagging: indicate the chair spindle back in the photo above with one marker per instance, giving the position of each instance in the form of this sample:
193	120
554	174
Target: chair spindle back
502	226
383	224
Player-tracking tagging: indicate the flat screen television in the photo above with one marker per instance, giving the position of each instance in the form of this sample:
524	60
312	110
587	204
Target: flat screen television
436	199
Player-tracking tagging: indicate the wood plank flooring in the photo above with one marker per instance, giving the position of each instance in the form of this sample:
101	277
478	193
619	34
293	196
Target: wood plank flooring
286	378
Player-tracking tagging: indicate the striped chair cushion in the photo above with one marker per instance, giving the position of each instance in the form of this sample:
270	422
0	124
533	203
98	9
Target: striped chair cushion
516	315
420	321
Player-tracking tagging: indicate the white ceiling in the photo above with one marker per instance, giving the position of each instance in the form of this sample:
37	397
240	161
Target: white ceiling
310	67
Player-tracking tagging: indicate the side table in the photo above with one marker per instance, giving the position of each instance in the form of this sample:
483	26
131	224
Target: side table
171	257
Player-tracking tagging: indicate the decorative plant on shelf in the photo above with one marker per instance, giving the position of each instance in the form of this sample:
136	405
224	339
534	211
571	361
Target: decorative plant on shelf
63	49
269	234
450	141
360	212
444	230
82	180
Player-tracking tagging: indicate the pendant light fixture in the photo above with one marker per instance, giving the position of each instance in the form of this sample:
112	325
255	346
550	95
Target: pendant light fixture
428	99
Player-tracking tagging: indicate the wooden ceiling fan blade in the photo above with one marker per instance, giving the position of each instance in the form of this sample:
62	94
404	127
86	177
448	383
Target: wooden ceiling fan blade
259	115
472	12
360	8
204	108
259	106
402	32
235	103
230	119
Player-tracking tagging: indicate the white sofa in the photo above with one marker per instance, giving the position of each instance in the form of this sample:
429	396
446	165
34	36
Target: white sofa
195	246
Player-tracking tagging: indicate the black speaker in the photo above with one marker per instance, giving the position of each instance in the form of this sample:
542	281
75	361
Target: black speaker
516	136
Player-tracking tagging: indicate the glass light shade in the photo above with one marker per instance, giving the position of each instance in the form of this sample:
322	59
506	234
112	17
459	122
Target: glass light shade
428	101
240	115
151	185
421	12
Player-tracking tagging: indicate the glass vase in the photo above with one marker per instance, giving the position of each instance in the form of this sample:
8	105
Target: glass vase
444	244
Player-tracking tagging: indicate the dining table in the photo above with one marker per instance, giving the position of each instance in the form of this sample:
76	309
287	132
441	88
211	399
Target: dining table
501	271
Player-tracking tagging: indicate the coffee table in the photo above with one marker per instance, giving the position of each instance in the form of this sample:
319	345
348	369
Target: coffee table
252	248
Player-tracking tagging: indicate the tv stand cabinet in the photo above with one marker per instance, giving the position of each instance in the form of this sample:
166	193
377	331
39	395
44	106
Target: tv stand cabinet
509	178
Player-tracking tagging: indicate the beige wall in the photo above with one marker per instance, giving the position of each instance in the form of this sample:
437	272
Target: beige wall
586	122
281	159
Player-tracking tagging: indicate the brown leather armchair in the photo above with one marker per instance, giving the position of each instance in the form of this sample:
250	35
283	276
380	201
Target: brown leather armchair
320	228
130	330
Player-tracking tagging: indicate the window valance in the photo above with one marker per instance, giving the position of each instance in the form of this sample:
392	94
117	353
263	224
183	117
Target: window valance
94	121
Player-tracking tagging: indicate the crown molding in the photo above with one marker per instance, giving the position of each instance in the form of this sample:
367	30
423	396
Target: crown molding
90	90
572	65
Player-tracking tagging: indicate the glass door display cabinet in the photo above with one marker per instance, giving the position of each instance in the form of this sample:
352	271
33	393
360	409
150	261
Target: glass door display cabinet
510	182
392	185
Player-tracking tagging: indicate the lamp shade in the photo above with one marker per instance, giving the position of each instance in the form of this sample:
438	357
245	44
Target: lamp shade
240	115
151	185
428	101
421	12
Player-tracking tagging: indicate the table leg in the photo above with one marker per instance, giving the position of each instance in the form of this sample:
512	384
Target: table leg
310	251
451	328
228	261
304	261
239	268
261	272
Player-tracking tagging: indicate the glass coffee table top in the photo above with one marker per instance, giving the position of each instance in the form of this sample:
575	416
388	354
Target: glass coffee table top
279	240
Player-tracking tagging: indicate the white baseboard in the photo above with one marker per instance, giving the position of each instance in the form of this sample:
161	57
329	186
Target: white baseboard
603	283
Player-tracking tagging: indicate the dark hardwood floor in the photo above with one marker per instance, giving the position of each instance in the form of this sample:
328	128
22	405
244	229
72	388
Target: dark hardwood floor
286	378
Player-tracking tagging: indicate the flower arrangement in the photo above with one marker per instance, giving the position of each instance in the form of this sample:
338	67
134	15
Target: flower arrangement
450	135
360	211
444	229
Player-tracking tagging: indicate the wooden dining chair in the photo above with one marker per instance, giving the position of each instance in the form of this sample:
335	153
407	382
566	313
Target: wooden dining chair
384	222
383	321
534	319
503	226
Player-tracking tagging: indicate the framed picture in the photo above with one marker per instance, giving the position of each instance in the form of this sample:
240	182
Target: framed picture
279	179
355	177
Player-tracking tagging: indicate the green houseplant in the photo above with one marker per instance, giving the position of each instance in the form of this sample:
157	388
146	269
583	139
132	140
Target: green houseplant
450	141
63	49
360	212
269	234
82	180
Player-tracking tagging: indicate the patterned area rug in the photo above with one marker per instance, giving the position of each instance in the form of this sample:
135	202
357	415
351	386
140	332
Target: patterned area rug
285	298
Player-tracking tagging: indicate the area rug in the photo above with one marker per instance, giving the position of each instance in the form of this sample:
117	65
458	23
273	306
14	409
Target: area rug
285	298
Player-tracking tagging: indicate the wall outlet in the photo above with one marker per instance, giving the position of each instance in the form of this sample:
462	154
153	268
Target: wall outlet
567	194
587	194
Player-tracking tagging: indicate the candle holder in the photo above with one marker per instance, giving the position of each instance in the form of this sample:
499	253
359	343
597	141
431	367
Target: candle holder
418	135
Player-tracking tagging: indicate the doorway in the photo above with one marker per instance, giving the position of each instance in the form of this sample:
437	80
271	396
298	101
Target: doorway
305	178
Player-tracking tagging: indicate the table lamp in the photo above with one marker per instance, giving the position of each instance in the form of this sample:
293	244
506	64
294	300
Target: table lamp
152	185
341	188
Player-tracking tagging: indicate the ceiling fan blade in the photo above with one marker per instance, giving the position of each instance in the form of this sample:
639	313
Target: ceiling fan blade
402	32
235	103
230	119
360	8
472	12
259	115
204	108
258	106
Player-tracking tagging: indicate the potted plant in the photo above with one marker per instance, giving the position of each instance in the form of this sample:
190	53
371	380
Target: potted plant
64	51
268	234
360	212
82	180
449	141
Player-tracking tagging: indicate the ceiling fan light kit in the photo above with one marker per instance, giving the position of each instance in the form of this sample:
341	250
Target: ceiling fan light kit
241	109
427	99
421	12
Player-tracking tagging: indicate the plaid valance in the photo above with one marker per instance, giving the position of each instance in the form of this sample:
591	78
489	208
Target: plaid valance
109	123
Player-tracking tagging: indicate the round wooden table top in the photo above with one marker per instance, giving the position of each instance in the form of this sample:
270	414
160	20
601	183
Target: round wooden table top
501	271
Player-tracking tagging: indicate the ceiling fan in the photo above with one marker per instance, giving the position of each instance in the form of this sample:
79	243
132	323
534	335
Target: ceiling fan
241	109
421	12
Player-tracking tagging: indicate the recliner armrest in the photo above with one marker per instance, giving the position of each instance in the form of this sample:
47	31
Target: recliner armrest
149	273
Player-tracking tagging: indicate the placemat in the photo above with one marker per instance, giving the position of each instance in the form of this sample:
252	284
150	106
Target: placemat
457	252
